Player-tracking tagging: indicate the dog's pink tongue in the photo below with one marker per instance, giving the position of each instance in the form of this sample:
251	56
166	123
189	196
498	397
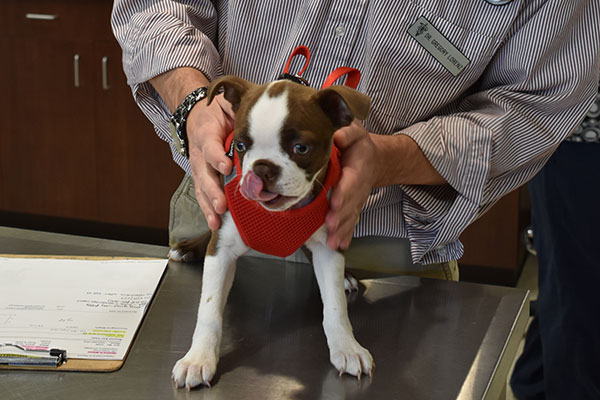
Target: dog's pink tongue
252	188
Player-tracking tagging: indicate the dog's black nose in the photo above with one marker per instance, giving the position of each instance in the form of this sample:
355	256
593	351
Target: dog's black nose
266	170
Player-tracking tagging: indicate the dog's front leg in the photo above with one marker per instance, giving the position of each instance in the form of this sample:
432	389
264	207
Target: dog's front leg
199	364
346	354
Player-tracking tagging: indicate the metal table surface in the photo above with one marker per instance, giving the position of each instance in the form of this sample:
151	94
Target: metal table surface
430	339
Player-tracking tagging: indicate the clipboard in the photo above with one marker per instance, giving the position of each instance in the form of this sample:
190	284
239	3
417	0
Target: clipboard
83	364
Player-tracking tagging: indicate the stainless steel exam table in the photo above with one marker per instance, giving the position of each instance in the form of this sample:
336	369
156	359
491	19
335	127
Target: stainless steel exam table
430	339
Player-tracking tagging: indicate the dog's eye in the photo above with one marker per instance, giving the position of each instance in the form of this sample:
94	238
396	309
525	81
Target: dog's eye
300	149
240	146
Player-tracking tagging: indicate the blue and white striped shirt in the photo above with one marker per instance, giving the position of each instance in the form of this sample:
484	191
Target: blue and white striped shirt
532	76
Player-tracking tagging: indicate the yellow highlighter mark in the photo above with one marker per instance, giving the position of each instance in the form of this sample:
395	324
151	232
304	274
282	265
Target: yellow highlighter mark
107	333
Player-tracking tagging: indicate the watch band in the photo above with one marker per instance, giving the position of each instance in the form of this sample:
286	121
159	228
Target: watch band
179	118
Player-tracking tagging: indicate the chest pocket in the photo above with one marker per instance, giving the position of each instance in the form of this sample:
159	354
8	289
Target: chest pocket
407	84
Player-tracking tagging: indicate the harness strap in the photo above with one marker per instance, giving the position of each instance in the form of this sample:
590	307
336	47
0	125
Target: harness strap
352	78
352	74
300	50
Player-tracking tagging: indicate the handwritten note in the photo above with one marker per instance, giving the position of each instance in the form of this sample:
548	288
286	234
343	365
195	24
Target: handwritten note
91	308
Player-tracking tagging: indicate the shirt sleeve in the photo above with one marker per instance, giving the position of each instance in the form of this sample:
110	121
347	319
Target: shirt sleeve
536	90
160	35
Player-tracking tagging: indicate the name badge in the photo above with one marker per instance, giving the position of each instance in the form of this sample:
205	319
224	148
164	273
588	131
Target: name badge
498	2
438	46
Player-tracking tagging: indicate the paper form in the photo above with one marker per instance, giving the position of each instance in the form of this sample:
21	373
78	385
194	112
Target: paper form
91	308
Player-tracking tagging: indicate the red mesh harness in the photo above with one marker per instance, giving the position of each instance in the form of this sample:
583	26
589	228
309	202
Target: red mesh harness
281	233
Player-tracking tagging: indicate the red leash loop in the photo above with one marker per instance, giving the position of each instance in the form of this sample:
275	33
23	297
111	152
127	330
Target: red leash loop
352	79
300	50
352	74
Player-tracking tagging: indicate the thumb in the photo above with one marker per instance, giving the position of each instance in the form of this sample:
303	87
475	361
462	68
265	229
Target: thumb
215	155
212	150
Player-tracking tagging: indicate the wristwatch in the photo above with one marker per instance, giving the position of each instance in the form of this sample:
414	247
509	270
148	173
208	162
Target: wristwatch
179	117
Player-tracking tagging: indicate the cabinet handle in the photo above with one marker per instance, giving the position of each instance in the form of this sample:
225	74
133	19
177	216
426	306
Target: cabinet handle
105	84
44	17
76	70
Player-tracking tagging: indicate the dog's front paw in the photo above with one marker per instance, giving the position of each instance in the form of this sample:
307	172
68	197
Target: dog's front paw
196	368
352	358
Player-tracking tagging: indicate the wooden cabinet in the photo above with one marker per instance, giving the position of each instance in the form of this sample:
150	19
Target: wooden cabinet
494	244
49	151
73	144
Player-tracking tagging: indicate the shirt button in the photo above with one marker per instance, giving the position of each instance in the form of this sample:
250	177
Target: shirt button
340	31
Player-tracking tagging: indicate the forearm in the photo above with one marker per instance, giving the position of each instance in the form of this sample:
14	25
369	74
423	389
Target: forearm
165	46
401	161
174	85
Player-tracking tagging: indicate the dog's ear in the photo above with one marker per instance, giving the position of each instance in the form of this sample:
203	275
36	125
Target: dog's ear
342	104
234	89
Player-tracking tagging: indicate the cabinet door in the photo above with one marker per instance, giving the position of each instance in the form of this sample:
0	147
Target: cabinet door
6	87
136	174
48	152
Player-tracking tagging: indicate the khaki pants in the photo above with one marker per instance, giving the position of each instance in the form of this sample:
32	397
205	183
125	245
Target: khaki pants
367	257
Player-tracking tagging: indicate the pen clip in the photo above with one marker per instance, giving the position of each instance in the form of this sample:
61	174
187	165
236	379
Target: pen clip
50	357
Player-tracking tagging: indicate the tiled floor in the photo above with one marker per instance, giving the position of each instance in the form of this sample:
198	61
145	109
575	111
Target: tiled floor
528	280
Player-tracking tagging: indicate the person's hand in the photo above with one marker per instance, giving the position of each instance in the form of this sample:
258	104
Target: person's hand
207	129
358	177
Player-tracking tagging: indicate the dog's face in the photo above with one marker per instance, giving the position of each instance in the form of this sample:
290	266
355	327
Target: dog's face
283	135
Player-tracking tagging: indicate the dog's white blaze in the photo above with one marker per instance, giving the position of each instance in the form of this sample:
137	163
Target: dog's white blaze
265	123
266	119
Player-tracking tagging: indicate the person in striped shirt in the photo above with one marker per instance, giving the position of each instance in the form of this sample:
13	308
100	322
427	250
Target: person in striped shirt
441	145
470	98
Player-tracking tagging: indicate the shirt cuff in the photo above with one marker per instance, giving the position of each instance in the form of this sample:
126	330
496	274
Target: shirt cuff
160	43
436	216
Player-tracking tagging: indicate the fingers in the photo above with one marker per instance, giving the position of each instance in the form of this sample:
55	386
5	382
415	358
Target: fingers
209	192
346	137
208	127
347	200
225	106
213	152
357	180
207	130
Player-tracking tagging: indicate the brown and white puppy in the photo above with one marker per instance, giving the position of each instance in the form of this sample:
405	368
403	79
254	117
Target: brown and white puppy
288	129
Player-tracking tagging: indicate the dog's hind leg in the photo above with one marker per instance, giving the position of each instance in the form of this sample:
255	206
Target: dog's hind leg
346	354
199	364
191	250
350	282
